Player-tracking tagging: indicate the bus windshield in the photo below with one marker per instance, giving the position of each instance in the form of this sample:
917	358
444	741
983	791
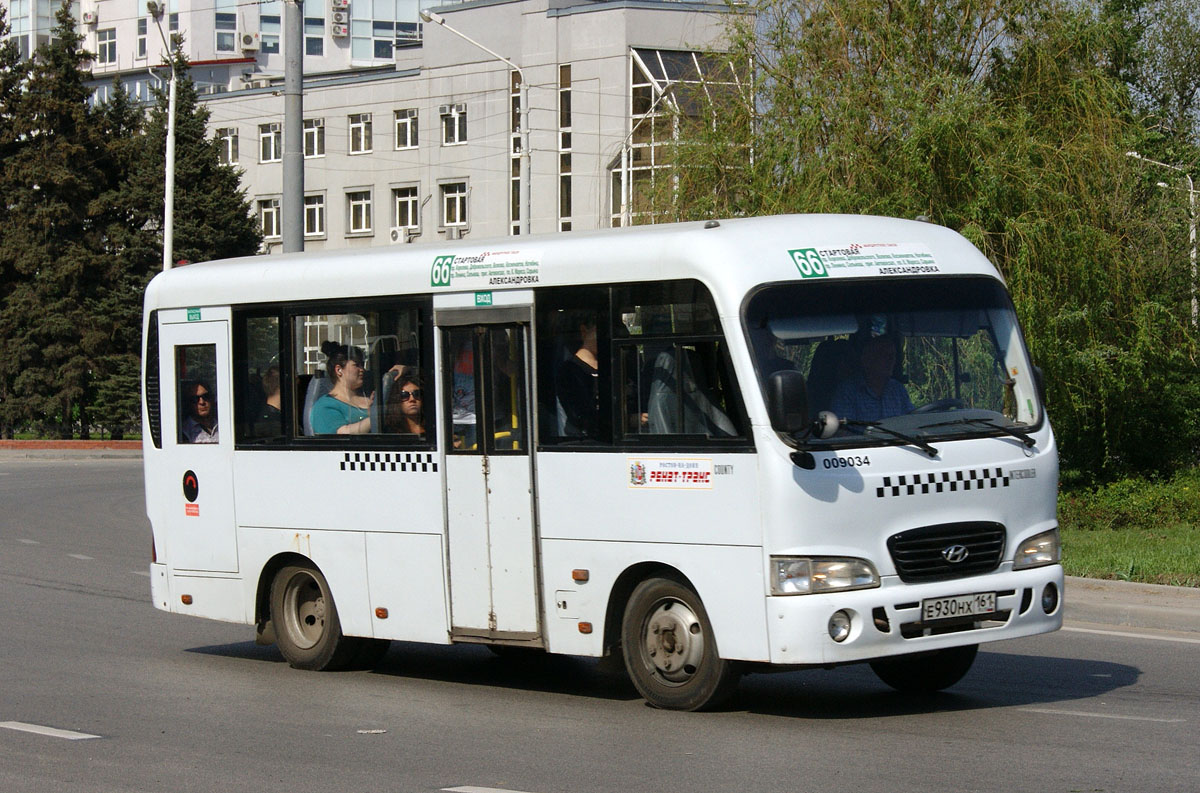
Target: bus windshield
925	358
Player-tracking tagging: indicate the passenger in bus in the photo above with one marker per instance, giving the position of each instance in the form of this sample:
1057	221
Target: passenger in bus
200	426
404	411
270	417
833	363
872	393
344	410
577	389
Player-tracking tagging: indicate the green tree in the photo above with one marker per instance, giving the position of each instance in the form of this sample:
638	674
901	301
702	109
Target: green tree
1007	121
50	178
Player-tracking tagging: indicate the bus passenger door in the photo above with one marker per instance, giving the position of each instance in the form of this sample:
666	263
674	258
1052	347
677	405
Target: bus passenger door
197	420
490	517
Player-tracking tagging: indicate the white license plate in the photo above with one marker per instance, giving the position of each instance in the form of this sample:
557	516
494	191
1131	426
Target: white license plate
958	606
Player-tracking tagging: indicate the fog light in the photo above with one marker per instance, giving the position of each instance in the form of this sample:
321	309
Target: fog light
839	626
1050	598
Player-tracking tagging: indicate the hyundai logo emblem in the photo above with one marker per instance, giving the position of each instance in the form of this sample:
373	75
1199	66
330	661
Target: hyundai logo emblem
955	553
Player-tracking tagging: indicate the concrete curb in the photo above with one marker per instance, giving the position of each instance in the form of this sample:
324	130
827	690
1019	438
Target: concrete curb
1133	605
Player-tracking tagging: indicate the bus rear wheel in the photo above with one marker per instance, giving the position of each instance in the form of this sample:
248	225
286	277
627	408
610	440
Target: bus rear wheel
307	629
670	651
926	673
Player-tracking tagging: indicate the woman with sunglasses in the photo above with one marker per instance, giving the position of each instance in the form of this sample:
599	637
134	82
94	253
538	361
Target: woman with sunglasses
200	426
404	411
344	410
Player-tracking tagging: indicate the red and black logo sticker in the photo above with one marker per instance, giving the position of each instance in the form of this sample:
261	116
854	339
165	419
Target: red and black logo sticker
191	486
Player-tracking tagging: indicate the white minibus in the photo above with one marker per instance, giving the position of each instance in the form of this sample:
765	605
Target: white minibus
709	448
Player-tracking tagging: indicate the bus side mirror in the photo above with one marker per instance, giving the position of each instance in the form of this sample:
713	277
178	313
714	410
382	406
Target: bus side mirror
1039	383
787	401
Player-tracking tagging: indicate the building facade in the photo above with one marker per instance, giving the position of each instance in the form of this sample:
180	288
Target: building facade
412	132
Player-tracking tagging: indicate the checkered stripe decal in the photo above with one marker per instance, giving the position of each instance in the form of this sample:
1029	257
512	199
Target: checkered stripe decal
389	461
945	482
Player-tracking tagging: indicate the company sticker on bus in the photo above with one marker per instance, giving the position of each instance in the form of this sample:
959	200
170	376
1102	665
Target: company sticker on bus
652	473
868	258
486	269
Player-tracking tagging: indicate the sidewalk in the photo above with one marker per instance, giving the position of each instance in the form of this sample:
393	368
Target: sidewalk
69	450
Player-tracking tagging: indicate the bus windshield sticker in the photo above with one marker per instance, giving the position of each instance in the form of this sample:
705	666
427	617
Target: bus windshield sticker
670	474
867	258
489	268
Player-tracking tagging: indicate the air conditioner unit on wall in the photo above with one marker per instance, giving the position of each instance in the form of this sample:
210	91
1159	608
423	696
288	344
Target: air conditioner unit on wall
341	17
340	31
251	42
339	5
401	234
90	17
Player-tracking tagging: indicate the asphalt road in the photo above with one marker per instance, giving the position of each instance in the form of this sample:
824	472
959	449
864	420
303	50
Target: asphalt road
179	704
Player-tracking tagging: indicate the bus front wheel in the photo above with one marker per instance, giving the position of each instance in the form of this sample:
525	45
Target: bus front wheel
307	629
926	673
670	651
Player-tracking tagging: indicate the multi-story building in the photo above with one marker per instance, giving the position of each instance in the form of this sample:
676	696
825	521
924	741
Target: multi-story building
412	132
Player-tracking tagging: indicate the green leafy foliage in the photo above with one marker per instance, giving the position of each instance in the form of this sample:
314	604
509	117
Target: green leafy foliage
1009	122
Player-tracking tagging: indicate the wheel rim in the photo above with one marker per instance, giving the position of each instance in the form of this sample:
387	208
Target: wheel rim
673	641
304	610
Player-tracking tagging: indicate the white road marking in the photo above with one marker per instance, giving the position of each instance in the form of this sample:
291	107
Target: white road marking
1086	714
80	557
30	542
38	729
1129	635
473	789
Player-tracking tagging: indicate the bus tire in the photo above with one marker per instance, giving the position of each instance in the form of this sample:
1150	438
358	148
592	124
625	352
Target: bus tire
670	651
307	630
926	673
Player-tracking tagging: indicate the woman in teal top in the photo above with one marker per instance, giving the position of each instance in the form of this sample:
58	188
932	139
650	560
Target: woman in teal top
343	411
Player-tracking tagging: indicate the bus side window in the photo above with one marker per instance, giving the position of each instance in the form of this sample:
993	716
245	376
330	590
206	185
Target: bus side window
196	379
574	350
262	381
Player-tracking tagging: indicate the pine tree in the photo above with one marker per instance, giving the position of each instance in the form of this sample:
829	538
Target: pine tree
51	177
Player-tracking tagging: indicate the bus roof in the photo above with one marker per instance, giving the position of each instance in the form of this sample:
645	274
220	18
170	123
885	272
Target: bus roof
730	256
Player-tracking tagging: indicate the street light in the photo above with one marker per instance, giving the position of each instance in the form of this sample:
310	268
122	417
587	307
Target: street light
430	16
1191	189
156	11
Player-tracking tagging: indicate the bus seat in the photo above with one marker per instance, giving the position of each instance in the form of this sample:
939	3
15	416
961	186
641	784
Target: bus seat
700	415
318	387
831	361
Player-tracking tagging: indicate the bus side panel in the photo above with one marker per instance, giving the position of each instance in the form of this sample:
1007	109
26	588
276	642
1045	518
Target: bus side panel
728	579
215	598
406	576
339	555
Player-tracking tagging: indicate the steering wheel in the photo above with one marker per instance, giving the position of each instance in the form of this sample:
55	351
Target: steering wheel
941	404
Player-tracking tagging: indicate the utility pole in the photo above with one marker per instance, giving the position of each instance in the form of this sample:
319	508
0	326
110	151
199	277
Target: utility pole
293	127
1191	191
156	10
523	98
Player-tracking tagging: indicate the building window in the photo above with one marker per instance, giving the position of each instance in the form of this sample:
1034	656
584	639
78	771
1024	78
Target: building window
314	215
314	36
407	214
141	38
360	133
173	23
270	27
314	137
106	46
358	212
454	124
270	142
226	25
227	145
268	218
454	204
406	128
564	150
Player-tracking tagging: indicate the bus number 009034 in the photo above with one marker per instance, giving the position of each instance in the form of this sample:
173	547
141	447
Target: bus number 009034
846	462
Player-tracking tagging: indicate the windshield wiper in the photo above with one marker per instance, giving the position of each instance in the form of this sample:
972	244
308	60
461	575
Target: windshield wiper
1024	436
875	425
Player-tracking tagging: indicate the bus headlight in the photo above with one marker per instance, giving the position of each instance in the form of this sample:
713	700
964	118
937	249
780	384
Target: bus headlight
804	575
1039	550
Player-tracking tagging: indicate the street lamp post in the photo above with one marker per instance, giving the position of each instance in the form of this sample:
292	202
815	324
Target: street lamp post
430	16
1191	190
156	11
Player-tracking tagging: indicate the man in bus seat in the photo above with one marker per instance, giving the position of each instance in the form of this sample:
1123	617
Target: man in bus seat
872	393
200	426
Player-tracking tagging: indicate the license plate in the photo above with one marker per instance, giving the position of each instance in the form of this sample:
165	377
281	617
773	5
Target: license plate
958	606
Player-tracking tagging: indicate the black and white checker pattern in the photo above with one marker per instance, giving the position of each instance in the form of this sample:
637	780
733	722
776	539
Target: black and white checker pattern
389	461
944	482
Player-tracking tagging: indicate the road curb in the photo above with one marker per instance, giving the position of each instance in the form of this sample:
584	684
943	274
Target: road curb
1133	605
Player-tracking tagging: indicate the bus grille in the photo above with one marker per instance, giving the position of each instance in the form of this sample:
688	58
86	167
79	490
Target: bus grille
924	554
